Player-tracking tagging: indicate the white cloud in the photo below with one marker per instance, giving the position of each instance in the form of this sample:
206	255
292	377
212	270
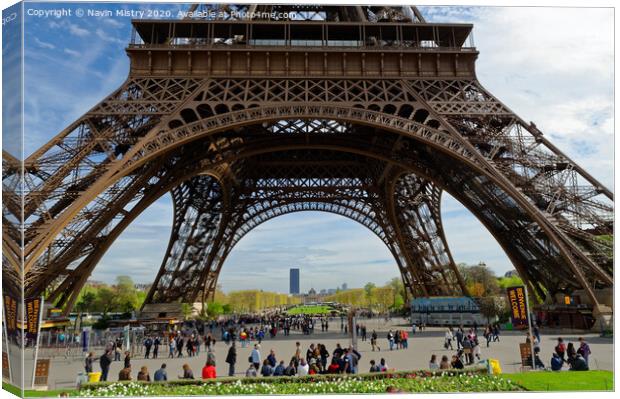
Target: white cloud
72	52
77	31
43	44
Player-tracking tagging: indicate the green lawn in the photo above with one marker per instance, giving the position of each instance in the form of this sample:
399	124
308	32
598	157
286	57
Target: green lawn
564	380
310	309
29	393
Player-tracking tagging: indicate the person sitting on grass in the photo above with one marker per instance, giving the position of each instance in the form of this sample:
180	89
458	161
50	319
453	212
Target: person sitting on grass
432	364
373	367
125	374
279	370
143	374
208	371
556	362
266	370
445	363
188	374
578	363
457	363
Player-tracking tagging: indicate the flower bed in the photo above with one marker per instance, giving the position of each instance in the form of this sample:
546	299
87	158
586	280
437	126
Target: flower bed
418	381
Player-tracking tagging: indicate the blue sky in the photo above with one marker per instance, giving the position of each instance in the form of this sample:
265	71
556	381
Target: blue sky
533	59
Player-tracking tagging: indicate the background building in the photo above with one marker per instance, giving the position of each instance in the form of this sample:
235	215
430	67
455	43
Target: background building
294	281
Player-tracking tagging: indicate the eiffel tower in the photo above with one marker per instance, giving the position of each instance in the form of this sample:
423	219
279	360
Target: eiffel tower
248	112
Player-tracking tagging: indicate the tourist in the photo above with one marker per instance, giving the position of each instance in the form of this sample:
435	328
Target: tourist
324	354
457	363
536	332
104	362
488	334
179	345
279	370
383	365
243	336
570	350
333	368
272	358
161	374
404	339
584	350
448	339
373	367
432	364
156	343
188	374
556	362
390	338
125	374
373	341
560	349
208	371
127	359
171	347
143	374
231	359
117	352
313	367
467	351
251	371
148	342
88	363
352	358
290	370
476	350
255	356
496	332
303	368
445	363
578	363
266	370
459	338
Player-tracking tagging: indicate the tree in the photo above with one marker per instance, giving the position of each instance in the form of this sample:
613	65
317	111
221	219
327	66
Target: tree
399	289
492	307
369	289
106	300
214	309
479	274
186	309
86	303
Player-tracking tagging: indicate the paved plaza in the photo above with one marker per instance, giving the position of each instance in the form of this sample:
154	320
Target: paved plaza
421	346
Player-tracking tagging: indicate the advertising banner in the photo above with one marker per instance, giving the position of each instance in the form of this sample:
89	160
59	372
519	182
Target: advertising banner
10	315
518	307
33	308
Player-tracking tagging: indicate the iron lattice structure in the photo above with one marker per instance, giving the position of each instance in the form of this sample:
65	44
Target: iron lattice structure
244	115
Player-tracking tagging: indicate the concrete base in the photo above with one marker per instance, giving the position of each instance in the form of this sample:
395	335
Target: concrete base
168	310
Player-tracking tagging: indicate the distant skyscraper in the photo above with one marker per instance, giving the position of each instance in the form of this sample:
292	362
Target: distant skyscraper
344	286
294	281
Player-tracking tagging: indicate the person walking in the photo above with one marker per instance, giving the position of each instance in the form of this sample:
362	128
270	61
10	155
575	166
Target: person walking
156	343
255	356
88	363
148	342
448	339
104	362
171	347
231	359
373	341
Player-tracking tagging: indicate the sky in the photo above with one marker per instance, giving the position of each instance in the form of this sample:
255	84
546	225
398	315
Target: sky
553	66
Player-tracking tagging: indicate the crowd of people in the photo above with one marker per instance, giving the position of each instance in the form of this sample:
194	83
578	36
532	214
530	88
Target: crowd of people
317	359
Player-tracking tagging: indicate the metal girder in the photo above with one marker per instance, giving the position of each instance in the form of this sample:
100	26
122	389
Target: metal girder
346	130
